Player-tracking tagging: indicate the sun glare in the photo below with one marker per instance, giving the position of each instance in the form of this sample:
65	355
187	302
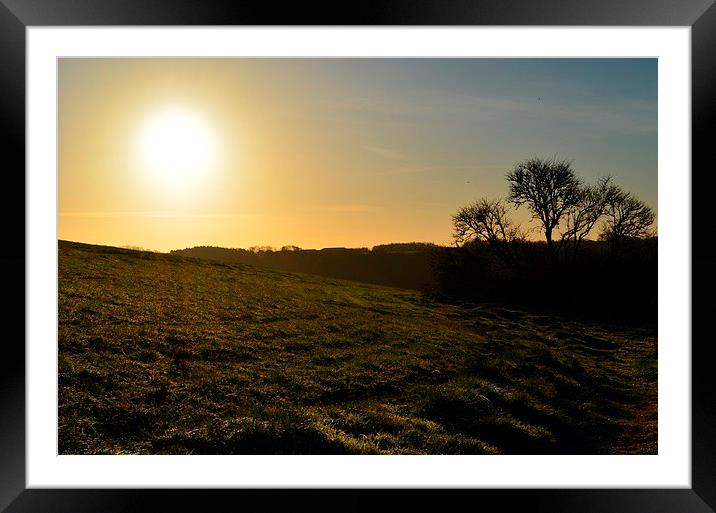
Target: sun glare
177	147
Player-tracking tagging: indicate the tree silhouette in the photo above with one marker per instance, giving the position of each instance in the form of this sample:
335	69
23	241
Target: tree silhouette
549	188
590	207
627	217
488	221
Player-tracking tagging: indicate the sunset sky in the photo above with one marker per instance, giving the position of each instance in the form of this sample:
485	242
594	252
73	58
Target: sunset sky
173	153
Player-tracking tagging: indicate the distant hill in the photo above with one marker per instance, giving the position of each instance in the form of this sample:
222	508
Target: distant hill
404	265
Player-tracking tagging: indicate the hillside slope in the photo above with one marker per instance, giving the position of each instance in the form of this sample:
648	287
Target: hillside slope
166	354
397	265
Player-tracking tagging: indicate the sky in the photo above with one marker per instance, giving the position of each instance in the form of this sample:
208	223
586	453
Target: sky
173	153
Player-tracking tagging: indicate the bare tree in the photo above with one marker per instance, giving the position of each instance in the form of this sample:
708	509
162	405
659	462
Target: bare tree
488	221
590	207
627	217
549	188
261	249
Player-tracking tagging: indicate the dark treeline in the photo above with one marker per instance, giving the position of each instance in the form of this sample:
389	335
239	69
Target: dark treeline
598	281
397	265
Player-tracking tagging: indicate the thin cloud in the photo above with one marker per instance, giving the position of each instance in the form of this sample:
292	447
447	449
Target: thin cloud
384	152
410	170
155	214
344	207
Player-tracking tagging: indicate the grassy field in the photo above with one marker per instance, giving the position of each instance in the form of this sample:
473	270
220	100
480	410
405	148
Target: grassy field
161	354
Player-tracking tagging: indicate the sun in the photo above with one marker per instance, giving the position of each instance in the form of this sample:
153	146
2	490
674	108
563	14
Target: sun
177	146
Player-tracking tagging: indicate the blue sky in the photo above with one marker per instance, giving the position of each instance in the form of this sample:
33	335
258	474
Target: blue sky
474	118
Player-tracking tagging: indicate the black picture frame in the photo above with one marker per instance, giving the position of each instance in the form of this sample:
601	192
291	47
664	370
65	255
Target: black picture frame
16	15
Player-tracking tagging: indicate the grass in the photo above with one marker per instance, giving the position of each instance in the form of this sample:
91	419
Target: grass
162	354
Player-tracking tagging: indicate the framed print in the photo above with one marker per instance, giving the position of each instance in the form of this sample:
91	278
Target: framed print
445	247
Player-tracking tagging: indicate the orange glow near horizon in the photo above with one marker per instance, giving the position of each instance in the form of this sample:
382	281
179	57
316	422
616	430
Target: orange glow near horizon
173	153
